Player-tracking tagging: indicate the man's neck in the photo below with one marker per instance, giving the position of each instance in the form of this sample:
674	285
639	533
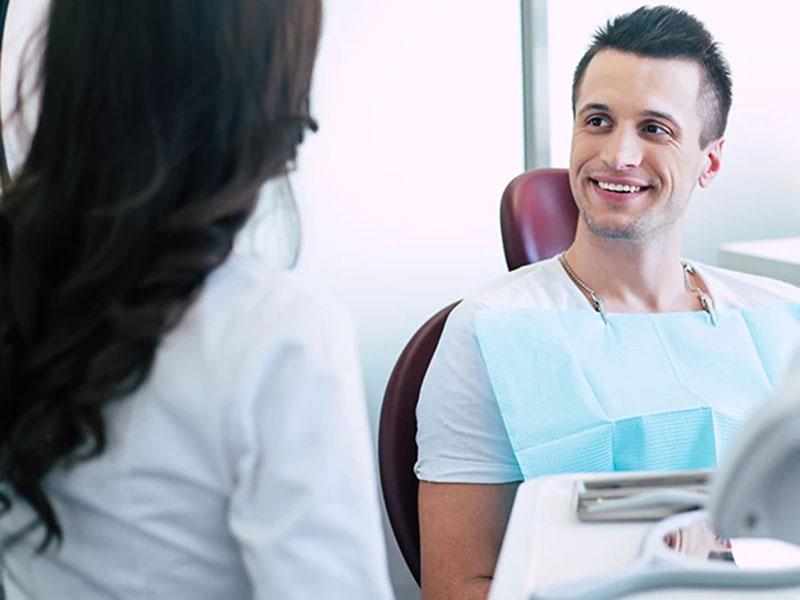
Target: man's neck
631	275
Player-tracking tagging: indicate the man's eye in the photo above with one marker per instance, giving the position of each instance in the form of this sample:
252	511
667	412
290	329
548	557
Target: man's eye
597	122
655	129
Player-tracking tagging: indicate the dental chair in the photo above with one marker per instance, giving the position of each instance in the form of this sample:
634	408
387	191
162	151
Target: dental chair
538	218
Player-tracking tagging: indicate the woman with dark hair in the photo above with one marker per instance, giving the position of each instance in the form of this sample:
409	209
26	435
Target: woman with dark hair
177	420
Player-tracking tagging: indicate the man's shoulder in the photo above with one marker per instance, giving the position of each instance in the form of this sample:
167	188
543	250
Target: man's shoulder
542	285
538	285
737	289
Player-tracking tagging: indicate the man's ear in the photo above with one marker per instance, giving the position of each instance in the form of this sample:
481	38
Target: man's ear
712	163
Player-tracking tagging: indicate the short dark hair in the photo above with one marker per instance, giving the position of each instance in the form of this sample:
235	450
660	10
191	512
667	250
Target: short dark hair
667	32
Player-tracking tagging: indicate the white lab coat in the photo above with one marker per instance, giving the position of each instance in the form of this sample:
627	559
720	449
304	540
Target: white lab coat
243	468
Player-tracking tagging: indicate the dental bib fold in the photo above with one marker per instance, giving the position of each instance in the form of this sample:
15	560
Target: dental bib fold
662	391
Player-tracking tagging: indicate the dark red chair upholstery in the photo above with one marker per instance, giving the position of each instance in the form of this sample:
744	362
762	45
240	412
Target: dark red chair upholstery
397	445
538	216
538	219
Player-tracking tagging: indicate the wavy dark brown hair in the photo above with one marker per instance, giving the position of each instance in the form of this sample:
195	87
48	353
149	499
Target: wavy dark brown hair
160	121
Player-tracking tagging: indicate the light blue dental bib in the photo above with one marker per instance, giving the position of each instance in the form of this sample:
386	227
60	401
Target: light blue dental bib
658	391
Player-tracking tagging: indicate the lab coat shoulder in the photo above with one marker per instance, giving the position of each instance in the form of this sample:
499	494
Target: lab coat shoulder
304	508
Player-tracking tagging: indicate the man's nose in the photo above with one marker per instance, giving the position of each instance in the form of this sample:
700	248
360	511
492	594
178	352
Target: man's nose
623	149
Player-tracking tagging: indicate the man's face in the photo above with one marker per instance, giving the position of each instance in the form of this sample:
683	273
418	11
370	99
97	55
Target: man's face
636	154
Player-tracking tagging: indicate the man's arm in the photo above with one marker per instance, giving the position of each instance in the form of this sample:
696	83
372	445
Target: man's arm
461	530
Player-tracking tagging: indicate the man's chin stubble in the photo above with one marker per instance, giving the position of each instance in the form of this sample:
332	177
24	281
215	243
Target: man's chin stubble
630	232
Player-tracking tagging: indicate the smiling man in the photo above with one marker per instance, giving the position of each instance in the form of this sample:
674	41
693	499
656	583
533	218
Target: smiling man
617	354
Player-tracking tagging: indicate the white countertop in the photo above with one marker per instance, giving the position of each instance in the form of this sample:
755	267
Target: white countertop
778	258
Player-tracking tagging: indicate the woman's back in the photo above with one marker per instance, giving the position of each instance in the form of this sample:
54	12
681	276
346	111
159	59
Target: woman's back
241	468
176	420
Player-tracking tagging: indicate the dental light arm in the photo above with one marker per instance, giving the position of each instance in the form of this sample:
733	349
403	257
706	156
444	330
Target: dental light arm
756	491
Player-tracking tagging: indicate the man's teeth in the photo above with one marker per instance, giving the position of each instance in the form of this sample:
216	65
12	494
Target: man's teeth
616	187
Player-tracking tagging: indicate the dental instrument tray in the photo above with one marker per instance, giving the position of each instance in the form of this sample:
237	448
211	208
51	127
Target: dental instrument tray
641	497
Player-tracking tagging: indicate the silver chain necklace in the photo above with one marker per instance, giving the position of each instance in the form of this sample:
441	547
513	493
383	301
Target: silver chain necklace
597	302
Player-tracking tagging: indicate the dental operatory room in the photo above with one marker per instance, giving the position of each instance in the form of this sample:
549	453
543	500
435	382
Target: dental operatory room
399	300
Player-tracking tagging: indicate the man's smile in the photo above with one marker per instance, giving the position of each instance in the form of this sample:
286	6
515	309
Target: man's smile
618	188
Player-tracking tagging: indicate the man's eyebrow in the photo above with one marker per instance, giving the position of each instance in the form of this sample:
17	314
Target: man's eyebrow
657	114
593	106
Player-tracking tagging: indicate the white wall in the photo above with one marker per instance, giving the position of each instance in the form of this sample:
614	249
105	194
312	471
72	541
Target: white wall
420	111
756	194
420	107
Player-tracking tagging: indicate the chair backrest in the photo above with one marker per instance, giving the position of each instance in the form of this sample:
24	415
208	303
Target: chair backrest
397	446
538	216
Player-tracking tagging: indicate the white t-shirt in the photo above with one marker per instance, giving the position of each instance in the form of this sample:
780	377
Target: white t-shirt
460	432
242	468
